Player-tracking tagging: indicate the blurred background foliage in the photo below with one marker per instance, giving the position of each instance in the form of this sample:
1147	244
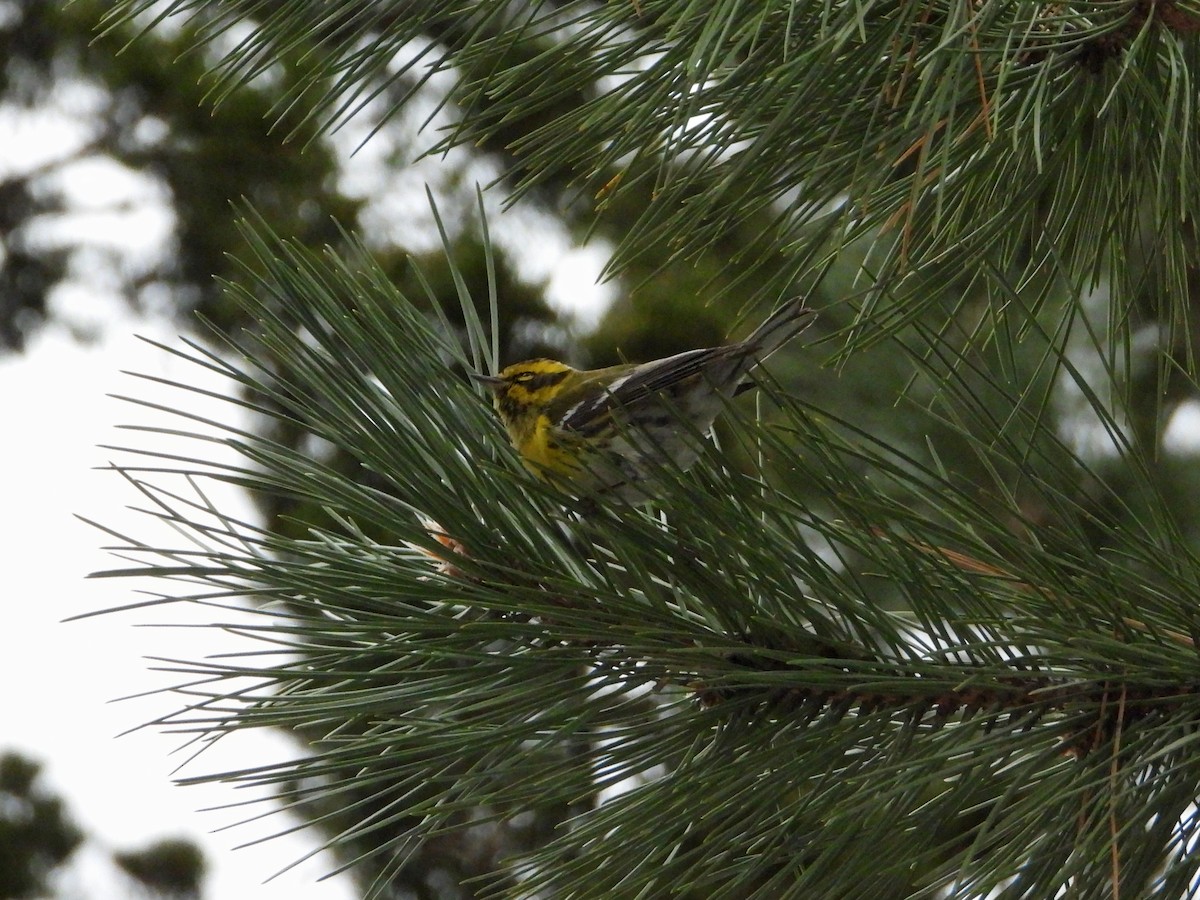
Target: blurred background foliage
38	835
151	110
36	832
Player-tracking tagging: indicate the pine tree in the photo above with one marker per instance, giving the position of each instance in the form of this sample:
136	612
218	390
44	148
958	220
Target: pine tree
929	632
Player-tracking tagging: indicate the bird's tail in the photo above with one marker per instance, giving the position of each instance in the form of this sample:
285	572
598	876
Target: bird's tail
780	327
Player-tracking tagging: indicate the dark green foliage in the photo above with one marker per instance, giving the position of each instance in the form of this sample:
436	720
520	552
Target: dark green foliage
167	868
26	274
36	834
1032	136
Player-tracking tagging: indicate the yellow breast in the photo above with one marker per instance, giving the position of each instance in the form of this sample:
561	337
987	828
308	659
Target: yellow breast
545	450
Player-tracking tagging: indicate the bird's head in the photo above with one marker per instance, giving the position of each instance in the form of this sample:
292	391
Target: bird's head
526	387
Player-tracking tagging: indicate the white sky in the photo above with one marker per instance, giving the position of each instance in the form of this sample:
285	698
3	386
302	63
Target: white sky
119	788
52	401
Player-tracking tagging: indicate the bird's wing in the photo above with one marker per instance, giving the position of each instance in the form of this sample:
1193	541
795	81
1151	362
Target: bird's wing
625	387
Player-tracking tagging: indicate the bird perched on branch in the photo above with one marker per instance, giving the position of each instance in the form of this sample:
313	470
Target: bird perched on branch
605	431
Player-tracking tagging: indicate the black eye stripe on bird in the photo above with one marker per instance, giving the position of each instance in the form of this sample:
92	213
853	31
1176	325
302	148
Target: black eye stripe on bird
542	380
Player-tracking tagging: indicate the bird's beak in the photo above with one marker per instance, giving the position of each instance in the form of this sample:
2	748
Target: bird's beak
489	380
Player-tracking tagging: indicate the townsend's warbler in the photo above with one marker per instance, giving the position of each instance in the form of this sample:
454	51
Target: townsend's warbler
604	431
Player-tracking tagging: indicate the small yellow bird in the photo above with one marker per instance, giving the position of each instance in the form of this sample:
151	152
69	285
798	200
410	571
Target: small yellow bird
605	431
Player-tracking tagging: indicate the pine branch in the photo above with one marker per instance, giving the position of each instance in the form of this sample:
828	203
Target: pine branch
841	647
1032	136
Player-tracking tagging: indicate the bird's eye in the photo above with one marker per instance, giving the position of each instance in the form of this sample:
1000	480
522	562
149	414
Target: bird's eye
524	378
